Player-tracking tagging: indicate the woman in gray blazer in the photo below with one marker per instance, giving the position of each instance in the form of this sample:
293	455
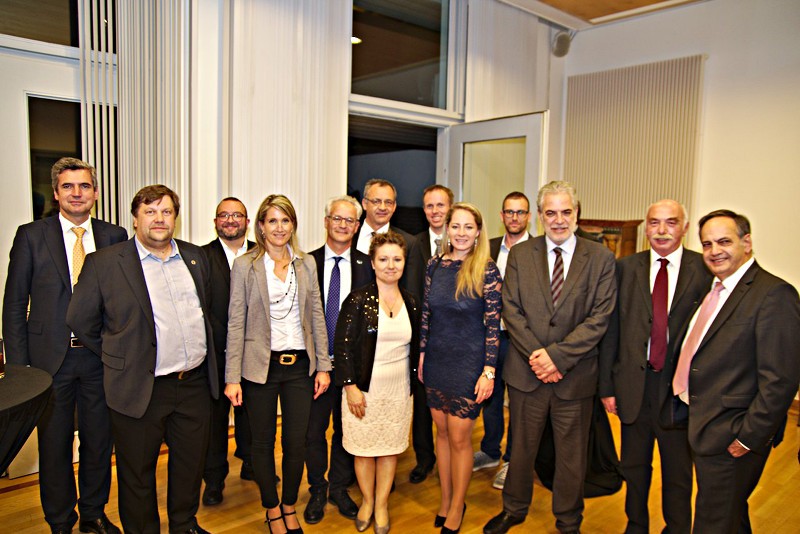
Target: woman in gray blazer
277	349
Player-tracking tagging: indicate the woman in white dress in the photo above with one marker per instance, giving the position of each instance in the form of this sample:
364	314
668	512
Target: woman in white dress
376	350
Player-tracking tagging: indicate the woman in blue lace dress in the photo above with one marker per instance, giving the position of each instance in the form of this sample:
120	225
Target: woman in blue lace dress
458	350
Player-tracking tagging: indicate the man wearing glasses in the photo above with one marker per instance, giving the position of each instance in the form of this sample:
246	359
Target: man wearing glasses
340	269
230	223
516	216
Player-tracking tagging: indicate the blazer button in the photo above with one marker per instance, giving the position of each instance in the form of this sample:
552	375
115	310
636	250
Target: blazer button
151	371
552	323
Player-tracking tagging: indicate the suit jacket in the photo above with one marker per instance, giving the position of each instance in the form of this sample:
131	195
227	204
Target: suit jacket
220	295
623	351
249	325
424	239
112	314
357	337
361	272
569	332
496	242
38	270
745	372
413	279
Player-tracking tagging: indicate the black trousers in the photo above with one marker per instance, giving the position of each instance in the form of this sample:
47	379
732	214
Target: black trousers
295	389
638	439
77	384
217	458
341	464
422	427
178	413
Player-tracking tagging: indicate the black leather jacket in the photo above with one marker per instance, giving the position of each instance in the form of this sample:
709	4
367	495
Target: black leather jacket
357	335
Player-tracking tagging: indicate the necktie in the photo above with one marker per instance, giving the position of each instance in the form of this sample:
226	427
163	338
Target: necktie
680	384
332	303
557	282
78	254
658	329
438	243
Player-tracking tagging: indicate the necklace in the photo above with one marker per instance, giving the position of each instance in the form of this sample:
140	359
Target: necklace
391	306
291	287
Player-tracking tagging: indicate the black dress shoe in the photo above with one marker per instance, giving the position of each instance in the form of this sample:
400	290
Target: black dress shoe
315	509
419	473
100	525
212	494
61	530
500	523
247	471
197	529
346	506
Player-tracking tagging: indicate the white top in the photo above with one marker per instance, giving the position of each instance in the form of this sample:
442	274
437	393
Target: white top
230	255
567	253
345	274
502	256
286	328
365	237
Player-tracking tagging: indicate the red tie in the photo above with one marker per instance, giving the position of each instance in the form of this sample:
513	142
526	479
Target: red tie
658	329
557	283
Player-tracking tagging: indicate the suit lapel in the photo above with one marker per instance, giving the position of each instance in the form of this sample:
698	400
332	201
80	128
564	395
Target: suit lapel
685	277
193	264
542	271
101	238
261	282
643	282
131	267
302	287
55	244
220	262
576	267
730	305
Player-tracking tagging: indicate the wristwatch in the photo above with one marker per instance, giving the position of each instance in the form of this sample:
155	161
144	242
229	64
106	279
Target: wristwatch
488	374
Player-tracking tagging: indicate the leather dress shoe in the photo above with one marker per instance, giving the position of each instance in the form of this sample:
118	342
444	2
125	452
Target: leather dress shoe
500	523
315	509
197	529
344	503
61	530
212	494
101	525
419	473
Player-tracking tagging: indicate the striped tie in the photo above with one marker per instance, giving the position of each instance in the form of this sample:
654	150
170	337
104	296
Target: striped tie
332	303
557	281
78	254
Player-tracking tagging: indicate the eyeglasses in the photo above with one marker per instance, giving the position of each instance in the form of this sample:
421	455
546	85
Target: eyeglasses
518	213
336	219
378	201
236	216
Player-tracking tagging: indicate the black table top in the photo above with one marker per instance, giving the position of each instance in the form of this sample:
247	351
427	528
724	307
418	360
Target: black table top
21	384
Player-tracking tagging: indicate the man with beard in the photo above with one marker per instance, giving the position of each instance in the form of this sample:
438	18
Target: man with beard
516	216
230	223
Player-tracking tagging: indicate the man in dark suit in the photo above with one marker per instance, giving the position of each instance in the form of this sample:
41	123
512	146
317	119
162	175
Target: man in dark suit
516	216
558	295
436	202
46	258
344	268
142	306
738	371
658	290
230	224
379	203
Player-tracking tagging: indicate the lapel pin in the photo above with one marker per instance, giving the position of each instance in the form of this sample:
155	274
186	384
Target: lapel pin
194	262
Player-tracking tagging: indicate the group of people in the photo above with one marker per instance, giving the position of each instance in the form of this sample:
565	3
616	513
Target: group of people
385	334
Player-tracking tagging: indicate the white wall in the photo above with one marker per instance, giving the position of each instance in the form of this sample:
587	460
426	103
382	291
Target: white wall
750	132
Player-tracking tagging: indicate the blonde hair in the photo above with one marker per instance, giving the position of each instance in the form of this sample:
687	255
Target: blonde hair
471	276
285	205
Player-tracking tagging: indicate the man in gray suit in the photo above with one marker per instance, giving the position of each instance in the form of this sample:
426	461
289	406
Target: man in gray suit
558	295
658	289
142	306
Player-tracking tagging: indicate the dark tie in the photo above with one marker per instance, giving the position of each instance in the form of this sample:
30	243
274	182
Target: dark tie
332	304
658	329
438	243
557	282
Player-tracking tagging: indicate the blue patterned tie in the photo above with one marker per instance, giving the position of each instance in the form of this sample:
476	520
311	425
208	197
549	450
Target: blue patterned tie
332	304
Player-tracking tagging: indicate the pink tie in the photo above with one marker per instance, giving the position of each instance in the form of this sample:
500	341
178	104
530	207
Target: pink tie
680	383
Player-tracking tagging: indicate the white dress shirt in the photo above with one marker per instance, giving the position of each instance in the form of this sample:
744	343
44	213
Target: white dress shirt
365	237
345	274
231	255
70	238
673	270
285	322
502	256
567	253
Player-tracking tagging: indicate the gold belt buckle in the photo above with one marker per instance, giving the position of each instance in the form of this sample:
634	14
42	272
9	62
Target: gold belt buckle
287	359
180	375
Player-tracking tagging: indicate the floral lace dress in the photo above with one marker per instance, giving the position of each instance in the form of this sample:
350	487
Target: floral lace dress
458	337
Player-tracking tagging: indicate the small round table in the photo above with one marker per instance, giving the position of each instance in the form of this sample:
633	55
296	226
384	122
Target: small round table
24	392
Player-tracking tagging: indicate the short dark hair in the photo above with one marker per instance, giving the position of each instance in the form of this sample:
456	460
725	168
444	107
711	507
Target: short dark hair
439	187
742	223
151	193
379	182
232	199
389	238
71	164
516	195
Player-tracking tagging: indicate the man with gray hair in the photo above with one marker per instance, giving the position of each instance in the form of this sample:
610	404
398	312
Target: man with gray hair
340	269
558	294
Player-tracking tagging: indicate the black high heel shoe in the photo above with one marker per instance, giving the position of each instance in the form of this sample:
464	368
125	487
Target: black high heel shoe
284	513
446	530
271	520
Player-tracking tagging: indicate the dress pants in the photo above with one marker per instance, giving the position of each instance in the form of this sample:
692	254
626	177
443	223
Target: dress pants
571	420
724	484
217	458
493	413
422	427
78	383
179	413
295	389
341	471
638	439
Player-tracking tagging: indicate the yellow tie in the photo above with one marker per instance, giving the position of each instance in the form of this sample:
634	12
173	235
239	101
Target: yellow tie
78	254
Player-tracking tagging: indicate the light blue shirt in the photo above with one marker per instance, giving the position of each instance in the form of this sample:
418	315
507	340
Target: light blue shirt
180	326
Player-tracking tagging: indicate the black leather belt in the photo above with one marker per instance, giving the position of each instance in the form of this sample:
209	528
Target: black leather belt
287	357
183	375
75	343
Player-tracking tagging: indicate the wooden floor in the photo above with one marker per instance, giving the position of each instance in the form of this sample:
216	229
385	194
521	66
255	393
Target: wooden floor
774	505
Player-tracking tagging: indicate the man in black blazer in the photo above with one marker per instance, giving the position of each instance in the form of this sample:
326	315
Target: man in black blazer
230	223
738	370
653	303
142	306
558	295
42	270
355	270
516	216
379	203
